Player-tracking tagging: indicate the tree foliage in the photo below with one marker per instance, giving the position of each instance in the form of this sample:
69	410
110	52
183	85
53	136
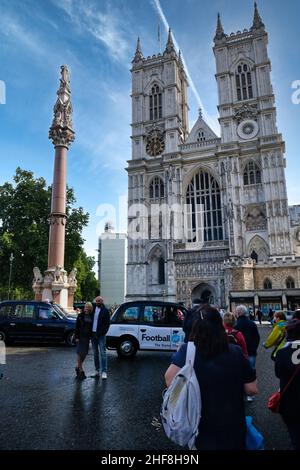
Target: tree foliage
88	286
24	229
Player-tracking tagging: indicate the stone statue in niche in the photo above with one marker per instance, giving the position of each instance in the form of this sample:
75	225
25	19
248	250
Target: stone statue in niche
58	277
38	277
72	277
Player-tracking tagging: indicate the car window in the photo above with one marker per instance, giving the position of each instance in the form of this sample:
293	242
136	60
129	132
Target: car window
173	316
6	311
24	311
128	315
46	313
60	311
153	314
180	314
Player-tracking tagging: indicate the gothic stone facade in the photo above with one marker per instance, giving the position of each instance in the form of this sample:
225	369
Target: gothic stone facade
223	232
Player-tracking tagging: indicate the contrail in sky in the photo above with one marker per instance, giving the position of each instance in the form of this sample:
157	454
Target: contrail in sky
207	118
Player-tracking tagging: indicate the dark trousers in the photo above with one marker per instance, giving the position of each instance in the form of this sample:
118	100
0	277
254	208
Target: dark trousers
294	432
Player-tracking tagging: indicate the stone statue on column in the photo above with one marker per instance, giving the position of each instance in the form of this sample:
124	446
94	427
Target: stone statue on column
55	285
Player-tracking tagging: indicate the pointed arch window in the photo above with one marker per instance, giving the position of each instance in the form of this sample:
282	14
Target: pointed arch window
200	136
203	211
290	283
155	103
243	81
254	256
156	188
267	284
156	266
252	174
161	270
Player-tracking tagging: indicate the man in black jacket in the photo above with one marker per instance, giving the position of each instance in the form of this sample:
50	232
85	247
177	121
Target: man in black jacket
100	326
250	332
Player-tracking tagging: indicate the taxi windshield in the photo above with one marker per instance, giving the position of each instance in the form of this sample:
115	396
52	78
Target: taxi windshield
60	311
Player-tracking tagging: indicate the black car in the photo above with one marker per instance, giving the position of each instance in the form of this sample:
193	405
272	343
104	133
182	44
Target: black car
34	322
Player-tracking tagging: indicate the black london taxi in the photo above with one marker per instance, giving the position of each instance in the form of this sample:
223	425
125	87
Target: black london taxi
146	325
34	321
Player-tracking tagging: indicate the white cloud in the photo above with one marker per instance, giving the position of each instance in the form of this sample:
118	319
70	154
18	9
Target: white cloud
105	28
15	32
109	27
65	5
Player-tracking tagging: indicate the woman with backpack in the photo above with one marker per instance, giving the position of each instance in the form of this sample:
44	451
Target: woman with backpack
218	366
234	336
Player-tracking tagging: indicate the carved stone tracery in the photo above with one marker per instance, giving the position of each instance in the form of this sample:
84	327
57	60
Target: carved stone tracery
61	131
255	217
246	111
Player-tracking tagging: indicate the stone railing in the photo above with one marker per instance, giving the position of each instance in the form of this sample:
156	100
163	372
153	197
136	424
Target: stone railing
200	145
272	139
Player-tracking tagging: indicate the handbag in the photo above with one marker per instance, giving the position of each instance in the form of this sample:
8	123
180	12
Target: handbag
274	402
254	439
275	398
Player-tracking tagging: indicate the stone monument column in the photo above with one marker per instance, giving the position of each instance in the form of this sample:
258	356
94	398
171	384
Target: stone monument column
55	284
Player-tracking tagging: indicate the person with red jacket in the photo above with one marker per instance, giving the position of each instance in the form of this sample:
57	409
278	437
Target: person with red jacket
234	336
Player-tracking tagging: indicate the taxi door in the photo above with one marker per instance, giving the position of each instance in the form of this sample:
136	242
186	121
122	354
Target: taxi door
153	332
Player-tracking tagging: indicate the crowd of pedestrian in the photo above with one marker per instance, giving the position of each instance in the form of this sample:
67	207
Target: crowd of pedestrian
226	351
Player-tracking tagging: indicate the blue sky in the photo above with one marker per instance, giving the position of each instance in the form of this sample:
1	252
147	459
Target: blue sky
96	39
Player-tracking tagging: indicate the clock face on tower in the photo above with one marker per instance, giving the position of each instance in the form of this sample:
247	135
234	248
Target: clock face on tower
247	129
155	144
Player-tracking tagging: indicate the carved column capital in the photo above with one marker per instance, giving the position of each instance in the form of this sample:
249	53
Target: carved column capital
57	219
62	137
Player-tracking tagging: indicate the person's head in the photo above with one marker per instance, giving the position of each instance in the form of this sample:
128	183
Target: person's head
293	330
88	307
99	301
229	319
278	316
196	302
241	310
208	332
297	314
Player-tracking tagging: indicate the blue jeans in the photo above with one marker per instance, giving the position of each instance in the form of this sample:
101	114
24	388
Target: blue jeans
99	343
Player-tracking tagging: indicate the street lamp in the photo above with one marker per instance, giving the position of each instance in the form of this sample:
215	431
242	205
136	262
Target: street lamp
11	258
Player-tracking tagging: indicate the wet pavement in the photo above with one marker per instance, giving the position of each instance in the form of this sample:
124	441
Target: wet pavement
43	406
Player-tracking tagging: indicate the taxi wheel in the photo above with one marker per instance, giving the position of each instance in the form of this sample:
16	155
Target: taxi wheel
127	347
2	336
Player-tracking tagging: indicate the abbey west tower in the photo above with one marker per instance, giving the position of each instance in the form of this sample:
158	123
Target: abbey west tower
208	216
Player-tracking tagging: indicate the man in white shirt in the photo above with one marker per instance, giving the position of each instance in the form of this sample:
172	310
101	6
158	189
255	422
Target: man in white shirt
101	322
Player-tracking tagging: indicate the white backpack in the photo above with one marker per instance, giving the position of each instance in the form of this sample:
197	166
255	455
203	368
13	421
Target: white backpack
181	407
